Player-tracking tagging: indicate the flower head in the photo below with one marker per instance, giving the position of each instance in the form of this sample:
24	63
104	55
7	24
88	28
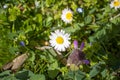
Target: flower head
79	10
22	43
82	46
75	44
37	3
77	57
86	61
115	4
59	40
5	6
67	15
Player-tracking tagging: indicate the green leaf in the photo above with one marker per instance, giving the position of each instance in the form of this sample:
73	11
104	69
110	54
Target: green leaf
72	29
94	72
5	73
3	17
13	50
12	17
37	77
49	21
104	73
88	19
48	2
11	36
79	75
53	65
74	6
23	75
32	56
14	12
73	67
10	77
39	18
87	0
75	75
52	52
53	73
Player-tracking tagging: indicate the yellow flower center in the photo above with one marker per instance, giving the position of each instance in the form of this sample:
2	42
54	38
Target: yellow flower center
69	15
59	40
116	3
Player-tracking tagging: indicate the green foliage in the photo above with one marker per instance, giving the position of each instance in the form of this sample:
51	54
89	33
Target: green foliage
21	75
32	21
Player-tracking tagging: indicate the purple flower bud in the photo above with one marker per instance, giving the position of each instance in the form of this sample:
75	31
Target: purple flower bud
79	10
75	44
22	43
82	45
86	61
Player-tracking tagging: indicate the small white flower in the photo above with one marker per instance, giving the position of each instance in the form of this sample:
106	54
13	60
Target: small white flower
5	6
59	40
115	4
79	10
37	3
67	15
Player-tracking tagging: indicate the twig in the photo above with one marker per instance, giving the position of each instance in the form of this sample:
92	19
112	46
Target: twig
61	58
115	17
16	63
43	48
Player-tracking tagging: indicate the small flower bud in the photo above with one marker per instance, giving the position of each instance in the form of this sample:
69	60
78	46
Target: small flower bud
75	44
22	43
86	62
5	6
79	10
82	46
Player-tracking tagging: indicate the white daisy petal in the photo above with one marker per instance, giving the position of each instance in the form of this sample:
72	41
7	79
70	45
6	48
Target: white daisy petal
67	15
59	40
115	4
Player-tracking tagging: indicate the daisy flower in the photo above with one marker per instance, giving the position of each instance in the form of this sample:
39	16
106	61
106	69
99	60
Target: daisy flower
67	15
115	4
59	40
